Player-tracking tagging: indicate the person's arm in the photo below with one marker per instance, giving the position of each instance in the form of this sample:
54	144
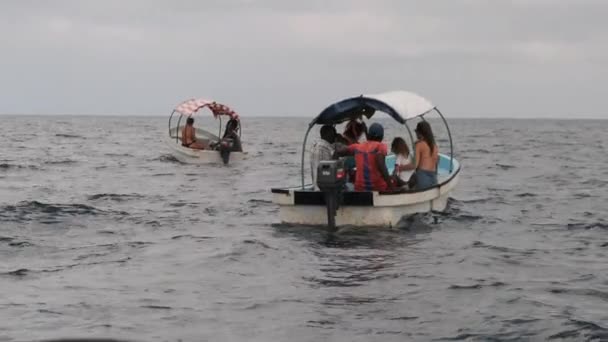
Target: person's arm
381	164
407	167
342	150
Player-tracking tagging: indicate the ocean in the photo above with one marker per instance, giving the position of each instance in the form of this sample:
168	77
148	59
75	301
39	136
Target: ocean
104	234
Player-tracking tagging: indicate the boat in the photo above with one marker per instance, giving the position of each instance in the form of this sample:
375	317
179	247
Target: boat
305	205
187	155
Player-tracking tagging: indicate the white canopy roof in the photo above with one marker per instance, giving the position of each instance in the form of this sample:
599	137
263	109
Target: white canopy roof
409	105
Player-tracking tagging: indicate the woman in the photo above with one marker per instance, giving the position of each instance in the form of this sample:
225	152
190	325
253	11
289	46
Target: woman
427	156
403	163
189	136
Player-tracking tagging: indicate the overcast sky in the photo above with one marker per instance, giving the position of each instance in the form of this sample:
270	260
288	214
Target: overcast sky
488	58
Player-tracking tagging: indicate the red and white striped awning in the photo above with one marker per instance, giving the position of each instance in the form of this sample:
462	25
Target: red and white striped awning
194	105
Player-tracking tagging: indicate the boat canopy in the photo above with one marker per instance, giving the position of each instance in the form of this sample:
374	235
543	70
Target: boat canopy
400	105
194	105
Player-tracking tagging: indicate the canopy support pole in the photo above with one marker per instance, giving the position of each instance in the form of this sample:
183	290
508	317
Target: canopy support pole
177	128
170	117
450	136
304	151
219	135
411	138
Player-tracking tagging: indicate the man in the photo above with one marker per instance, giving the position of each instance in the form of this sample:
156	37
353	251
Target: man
231	142
370	155
189	136
322	150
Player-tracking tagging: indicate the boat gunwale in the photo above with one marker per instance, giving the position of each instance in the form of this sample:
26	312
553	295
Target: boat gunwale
288	190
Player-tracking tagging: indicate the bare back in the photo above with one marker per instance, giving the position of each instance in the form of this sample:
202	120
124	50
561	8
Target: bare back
425	159
188	136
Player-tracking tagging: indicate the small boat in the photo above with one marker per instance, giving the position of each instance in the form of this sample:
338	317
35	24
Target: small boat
188	155
306	206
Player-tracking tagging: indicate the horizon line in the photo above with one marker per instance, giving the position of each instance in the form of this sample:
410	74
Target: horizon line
304	117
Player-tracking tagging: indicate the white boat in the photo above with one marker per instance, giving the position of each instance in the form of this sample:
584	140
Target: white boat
188	155
303	205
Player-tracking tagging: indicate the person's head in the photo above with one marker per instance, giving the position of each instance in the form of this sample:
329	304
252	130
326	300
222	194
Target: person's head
400	147
190	121
424	132
375	132
328	133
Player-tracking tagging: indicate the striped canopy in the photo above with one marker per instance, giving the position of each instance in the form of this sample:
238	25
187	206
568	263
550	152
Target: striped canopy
194	105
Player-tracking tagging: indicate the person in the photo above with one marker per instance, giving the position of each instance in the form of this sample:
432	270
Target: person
230	142
322	149
353	131
404	168
370	155
189	136
427	156
231	138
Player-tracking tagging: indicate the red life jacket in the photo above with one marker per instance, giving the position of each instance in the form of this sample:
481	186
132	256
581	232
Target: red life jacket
368	177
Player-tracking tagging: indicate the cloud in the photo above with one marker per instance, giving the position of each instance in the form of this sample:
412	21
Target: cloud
523	57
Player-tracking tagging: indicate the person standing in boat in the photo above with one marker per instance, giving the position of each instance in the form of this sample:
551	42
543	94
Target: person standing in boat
189	136
354	131
231	139
427	156
372	174
322	149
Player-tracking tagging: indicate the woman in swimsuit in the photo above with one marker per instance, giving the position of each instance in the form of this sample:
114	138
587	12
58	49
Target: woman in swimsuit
427	156
189	136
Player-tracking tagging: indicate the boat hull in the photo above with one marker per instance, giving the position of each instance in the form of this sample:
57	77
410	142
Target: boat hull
191	156
375	210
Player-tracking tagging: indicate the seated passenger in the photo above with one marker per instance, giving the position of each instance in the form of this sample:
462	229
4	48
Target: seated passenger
404	168
189	136
322	150
427	157
371	174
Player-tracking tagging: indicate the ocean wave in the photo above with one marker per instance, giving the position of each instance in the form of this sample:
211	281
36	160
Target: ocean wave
66	135
22	272
595	182
167	158
592	225
505	166
114	197
526	194
476	286
8	166
502	249
61	162
583	330
26	210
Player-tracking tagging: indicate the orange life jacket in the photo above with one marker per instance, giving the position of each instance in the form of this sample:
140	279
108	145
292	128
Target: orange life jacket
368	177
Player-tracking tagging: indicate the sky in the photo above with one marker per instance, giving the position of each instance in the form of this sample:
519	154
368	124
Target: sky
471	58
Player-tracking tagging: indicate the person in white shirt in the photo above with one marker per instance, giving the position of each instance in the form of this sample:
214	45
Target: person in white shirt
404	167
322	150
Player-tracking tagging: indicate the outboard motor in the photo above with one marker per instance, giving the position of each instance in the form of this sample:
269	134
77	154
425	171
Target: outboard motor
331	178
225	147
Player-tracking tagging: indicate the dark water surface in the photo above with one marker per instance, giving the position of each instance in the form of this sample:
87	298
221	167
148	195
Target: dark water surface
104	234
